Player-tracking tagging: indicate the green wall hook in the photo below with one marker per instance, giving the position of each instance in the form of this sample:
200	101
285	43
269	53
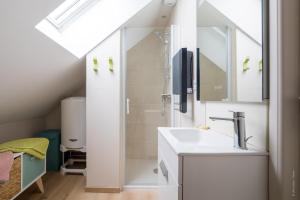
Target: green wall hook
95	64
260	65
111	64
246	64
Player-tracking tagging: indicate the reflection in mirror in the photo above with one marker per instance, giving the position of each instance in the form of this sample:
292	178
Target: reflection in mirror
230	44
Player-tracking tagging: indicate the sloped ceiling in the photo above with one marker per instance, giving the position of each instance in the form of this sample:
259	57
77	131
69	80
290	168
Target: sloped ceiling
156	14
208	16
35	72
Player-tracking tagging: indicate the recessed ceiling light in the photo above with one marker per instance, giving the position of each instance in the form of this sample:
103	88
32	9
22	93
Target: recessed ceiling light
170	3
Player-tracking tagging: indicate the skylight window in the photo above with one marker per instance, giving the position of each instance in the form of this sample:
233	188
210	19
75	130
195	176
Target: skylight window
80	25
68	11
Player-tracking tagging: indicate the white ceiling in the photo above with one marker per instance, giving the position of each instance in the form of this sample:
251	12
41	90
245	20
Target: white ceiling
208	16
35	72
156	14
91	26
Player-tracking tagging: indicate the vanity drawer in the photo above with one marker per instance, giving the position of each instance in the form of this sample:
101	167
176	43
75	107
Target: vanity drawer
31	169
171	159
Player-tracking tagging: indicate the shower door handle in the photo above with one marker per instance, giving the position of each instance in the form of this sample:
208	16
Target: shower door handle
127	106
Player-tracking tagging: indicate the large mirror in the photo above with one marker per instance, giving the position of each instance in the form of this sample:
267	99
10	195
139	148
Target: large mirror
232	50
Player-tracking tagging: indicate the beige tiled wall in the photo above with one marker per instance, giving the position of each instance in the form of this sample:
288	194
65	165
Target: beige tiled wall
213	81
145	81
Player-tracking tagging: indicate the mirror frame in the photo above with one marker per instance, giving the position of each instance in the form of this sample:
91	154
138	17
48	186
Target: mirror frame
266	51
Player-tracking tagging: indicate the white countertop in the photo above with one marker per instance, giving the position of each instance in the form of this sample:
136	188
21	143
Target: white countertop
204	142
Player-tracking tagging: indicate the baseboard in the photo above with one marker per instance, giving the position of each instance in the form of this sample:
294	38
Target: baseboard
103	190
140	187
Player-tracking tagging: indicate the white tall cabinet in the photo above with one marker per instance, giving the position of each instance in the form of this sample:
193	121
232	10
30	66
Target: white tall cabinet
103	115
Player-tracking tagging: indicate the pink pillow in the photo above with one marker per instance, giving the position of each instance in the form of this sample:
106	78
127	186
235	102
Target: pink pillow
6	162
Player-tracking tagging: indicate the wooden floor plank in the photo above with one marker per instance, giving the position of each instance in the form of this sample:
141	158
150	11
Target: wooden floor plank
72	187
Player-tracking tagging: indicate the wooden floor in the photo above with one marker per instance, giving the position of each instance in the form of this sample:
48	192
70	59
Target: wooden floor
71	187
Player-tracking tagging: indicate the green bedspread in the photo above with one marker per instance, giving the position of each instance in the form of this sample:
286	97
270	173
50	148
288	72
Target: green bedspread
36	147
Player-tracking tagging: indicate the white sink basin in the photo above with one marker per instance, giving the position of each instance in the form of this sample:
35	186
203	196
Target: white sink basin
195	141
191	136
194	136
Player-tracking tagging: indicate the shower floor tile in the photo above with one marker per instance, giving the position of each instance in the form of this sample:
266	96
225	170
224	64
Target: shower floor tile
140	172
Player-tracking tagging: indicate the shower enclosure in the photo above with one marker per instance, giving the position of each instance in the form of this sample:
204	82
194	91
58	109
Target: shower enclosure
147	101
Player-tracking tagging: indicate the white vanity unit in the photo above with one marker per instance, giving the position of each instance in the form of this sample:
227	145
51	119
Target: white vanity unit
203	165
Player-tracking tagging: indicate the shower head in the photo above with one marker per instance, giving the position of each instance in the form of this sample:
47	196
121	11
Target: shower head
163	36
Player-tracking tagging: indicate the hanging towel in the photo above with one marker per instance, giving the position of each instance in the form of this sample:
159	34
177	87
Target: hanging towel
36	147
6	162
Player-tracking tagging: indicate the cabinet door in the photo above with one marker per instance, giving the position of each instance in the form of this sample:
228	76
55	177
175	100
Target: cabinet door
171	159
169	189
32	168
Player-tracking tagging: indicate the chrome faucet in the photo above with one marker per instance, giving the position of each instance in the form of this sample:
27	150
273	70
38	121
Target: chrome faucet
240	140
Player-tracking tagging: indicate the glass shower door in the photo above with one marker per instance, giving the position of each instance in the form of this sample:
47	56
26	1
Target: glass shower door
147	93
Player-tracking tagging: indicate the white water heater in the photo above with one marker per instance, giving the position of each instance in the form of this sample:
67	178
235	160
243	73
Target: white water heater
73	120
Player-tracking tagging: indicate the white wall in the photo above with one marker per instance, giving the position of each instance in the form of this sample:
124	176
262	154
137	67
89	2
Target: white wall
184	20
92	27
35	72
53	118
275	145
28	127
135	35
256	120
284	107
198	113
21	129
256	114
289	87
103	115
249	83
213	45
250	10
